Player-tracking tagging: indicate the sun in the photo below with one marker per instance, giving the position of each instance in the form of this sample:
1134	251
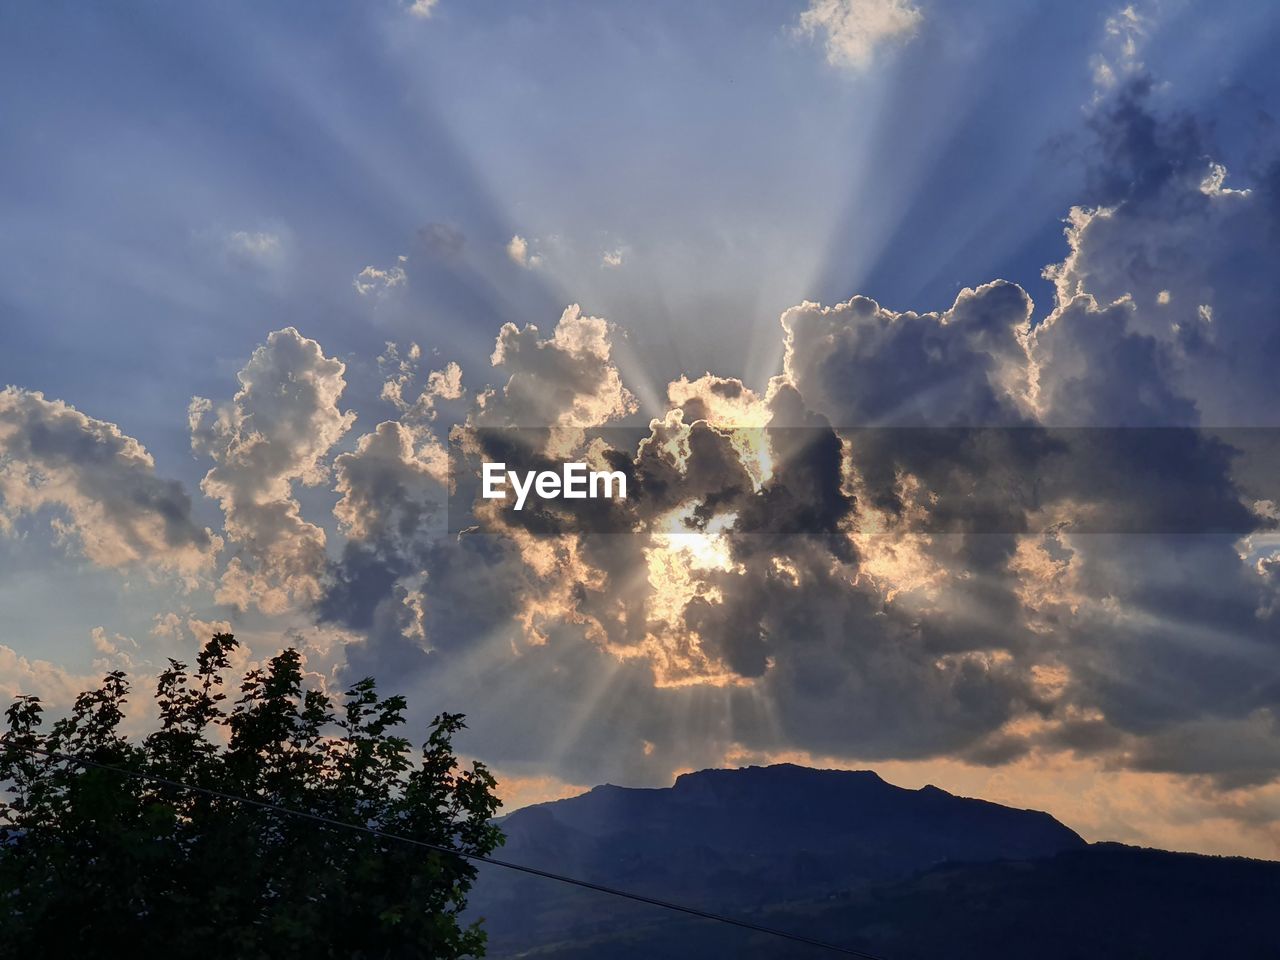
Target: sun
681	566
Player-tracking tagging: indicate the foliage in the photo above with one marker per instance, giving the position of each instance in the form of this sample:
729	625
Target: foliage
97	863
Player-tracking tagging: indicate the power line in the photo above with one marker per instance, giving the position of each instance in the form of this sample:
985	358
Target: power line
440	848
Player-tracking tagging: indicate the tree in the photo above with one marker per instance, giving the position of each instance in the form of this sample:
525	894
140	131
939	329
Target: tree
94	862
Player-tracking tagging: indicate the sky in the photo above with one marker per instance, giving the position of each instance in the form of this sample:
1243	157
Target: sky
259	262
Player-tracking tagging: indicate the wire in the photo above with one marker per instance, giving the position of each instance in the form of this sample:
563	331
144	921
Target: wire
440	848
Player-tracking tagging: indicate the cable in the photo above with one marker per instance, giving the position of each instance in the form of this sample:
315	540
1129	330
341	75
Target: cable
440	848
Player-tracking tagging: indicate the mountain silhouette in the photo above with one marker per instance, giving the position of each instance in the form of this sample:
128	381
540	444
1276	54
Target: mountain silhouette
736	840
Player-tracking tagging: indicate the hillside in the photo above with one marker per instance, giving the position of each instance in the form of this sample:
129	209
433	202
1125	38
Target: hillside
1106	901
739	840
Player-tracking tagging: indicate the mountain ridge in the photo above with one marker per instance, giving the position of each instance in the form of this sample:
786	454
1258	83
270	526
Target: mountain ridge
741	839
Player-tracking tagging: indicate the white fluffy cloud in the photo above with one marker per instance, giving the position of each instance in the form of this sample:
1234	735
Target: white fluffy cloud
379	281
276	431
853	30
567	381
400	369
53	684
520	251
102	485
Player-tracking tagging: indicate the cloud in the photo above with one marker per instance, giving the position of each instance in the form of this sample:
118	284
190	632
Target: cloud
422	8
443	384
401	369
102	485
859	364
53	684
274	432
567	380
1133	652
389	488
256	245
987	646
393	485
186	631
116	651
734	612
1124	33
378	281
442	241
1162	634
521	791
1188	255
262	253
436	243
779	585
520	251
799	566
854	30
1094	368
611	258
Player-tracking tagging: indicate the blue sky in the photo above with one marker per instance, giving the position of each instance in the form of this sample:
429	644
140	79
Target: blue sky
183	180
742	172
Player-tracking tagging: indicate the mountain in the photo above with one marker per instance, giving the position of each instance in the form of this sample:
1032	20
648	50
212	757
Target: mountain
736	841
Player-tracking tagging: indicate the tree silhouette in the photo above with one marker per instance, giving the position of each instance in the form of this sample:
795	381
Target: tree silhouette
94	862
